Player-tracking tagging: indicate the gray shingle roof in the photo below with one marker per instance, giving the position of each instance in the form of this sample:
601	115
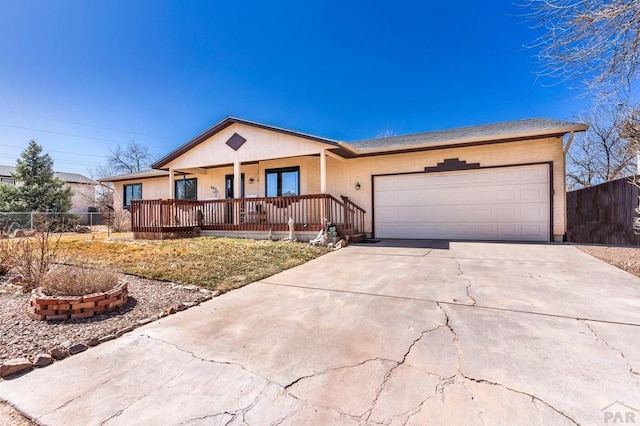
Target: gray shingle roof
6	171
530	126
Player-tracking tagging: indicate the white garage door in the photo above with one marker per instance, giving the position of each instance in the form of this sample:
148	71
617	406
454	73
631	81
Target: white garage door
510	203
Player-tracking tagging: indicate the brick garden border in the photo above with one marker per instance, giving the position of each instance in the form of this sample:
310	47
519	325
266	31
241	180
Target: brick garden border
45	308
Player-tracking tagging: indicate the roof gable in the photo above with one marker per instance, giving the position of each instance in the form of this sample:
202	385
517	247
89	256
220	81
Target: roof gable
219	129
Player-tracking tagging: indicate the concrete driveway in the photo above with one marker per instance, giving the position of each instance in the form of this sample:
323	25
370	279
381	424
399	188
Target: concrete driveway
434	333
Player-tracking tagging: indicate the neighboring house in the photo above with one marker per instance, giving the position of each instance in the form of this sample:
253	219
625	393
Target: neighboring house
502	181
84	189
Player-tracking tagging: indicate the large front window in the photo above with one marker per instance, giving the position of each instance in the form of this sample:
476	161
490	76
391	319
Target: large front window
131	192
285	181
187	189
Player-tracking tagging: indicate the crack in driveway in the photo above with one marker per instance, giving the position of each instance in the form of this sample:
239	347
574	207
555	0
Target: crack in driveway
467	377
468	286
533	397
392	369
600	338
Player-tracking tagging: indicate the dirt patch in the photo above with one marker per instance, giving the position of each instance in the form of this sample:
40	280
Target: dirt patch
625	258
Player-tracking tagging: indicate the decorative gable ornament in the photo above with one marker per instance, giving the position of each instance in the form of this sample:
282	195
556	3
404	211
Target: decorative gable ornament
236	141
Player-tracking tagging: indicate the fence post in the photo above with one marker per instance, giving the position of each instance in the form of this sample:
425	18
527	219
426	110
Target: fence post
32	220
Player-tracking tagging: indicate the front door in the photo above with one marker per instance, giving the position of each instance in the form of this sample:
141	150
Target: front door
228	194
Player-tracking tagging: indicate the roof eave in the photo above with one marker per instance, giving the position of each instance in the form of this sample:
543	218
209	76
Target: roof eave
133	176
476	140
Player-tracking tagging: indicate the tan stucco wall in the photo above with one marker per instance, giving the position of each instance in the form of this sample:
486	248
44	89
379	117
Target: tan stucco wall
342	176
152	189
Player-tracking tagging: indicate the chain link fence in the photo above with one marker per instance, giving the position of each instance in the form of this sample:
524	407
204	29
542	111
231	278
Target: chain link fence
60	222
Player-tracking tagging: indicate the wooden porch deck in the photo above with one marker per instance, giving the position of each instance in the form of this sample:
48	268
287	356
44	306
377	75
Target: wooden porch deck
172	218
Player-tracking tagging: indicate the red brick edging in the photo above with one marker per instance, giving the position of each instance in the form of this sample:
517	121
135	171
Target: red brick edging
43	307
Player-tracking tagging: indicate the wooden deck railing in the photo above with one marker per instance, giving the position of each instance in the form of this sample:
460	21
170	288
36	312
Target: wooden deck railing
246	214
353	217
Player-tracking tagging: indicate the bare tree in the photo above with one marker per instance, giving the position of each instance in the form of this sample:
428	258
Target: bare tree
131	159
602	153
594	42
630	130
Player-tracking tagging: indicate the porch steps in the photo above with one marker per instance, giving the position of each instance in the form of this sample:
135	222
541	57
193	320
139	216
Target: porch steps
353	237
356	238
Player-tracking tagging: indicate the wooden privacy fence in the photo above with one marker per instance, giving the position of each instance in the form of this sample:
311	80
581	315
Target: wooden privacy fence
182	218
603	214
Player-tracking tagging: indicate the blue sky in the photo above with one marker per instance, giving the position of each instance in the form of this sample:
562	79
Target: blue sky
80	77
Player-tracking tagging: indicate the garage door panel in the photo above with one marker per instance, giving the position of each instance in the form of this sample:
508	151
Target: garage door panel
506	176
535	194
505	203
535	175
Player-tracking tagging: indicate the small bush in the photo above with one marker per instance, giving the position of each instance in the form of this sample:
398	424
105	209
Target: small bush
120	221
5	257
75	281
32	256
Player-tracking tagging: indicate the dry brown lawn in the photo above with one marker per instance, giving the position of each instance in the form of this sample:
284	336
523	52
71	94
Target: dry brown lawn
216	263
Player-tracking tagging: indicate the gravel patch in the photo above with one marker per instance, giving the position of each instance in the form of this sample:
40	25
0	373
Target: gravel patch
9	416
21	336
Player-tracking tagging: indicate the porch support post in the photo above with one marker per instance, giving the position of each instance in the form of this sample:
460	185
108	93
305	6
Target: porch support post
236	180
237	185
172	185
323	172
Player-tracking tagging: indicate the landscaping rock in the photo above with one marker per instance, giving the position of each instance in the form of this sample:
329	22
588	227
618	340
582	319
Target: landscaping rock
340	244
143	321
171	310
16	279
42	360
124	330
107	338
77	348
58	353
14	366
93	341
21	233
189	304
181	307
191	287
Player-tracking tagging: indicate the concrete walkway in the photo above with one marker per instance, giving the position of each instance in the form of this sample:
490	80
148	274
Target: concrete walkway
434	333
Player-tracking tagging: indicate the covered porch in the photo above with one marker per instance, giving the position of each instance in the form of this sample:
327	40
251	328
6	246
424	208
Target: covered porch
175	218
